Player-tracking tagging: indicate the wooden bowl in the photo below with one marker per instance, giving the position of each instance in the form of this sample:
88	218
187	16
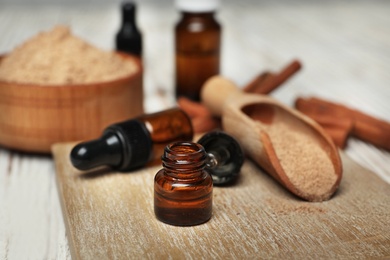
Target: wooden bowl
34	117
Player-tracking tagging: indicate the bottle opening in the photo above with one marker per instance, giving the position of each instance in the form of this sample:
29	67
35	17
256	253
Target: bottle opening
184	156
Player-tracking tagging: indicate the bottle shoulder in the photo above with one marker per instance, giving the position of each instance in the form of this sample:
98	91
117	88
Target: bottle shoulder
199	23
129	31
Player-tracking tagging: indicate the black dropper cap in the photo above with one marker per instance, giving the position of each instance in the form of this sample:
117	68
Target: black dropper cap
225	150
123	146
129	38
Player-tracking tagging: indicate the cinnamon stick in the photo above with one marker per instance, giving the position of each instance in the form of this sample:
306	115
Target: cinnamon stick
267	82
257	82
364	127
192	108
202	120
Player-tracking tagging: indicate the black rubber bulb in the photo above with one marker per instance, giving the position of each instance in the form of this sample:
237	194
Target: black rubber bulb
123	146
106	150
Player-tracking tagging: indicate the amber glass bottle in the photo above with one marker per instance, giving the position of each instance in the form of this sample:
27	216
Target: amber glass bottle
131	144
183	189
129	38
197	46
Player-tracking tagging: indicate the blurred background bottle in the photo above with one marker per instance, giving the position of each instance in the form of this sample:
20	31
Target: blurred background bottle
197	46
129	38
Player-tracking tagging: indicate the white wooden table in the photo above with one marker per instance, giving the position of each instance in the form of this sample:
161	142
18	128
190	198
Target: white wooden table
344	48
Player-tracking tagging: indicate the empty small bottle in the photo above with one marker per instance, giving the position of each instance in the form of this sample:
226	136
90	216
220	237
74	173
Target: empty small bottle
197	46
129	38
183	188
131	144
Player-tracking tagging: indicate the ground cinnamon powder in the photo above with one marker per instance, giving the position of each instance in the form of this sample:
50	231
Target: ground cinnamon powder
286	207
305	163
57	57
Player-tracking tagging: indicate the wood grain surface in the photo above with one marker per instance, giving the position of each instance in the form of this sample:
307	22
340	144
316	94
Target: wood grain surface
109	215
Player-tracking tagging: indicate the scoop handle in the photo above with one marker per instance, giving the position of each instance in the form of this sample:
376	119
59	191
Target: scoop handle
215	92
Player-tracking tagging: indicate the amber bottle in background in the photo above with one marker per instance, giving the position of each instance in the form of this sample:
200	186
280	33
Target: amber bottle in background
197	46
133	143
129	38
183	189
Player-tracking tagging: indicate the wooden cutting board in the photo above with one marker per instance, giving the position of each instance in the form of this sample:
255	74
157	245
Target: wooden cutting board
109	215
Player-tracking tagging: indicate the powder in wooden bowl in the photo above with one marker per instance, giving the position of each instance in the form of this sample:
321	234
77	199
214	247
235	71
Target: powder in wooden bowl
57	57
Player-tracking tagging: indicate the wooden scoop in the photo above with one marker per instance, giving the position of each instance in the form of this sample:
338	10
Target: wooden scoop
291	147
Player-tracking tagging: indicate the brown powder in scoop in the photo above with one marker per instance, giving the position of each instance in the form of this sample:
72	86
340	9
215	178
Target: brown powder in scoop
305	163
57	57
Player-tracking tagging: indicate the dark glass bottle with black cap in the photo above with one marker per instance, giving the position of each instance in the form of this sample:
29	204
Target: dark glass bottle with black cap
197	46
129	38
183	188
131	144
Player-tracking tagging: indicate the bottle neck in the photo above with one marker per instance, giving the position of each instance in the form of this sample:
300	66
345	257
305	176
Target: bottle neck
128	16
184	160
128	12
202	15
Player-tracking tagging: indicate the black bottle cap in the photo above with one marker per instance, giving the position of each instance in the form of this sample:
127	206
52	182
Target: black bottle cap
136	142
227	152
123	146
128	11
128	6
129	38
